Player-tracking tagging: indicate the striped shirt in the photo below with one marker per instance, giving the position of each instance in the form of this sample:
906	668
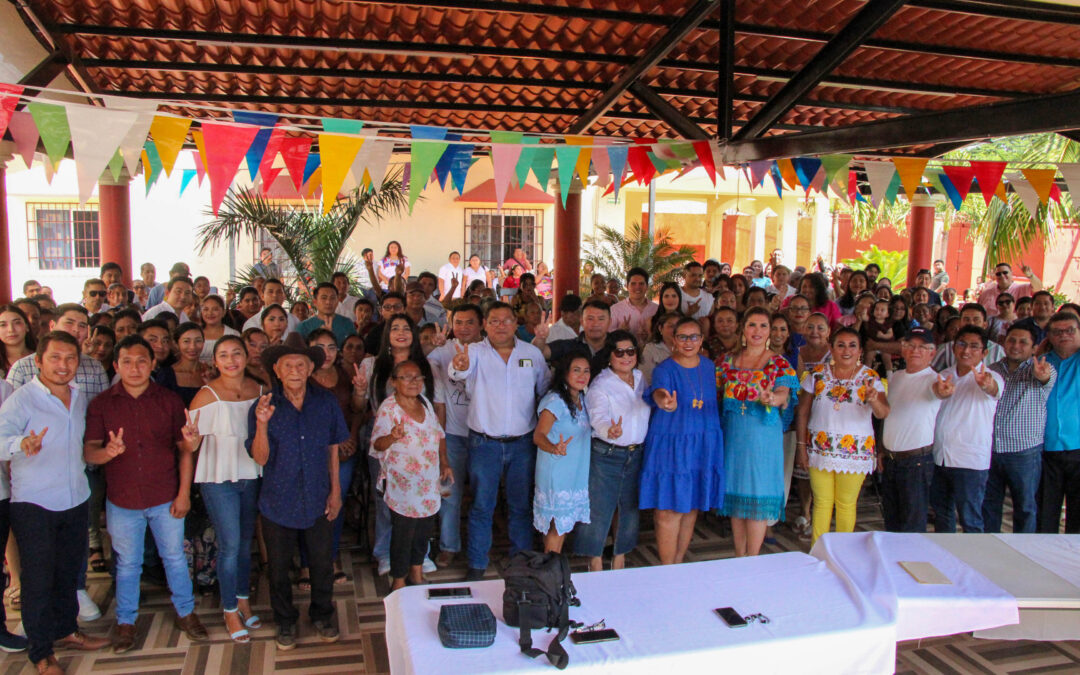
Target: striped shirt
90	377
1020	418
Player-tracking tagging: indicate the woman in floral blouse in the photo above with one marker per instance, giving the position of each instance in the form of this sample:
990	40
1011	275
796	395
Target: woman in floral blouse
411	447
834	430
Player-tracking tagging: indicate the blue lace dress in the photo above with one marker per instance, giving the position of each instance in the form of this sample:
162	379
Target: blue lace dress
562	481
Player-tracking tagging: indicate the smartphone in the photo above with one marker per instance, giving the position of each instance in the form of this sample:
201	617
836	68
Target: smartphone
589	637
452	592
729	616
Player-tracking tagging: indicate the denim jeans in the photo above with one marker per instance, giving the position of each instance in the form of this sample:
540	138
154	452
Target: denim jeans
955	490
614	476
380	549
457	451
232	508
1059	484
127	527
488	461
905	490
1020	471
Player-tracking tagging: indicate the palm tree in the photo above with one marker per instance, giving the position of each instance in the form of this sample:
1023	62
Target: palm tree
613	254
312	240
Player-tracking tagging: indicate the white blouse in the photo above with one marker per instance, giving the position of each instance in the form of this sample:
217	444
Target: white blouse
409	468
222	455
609	398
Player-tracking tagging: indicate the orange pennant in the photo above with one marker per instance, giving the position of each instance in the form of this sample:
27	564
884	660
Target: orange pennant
581	167
200	145
1001	193
1042	180
788	173
910	170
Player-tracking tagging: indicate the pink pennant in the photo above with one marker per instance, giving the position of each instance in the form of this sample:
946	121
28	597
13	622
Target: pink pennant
200	169
25	134
9	98
504	158
225	148
601	162
294	150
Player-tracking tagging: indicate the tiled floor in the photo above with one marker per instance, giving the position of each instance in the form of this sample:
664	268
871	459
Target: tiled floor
362	649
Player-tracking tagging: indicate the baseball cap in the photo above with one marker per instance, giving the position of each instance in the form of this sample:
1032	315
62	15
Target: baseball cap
920	334
413	287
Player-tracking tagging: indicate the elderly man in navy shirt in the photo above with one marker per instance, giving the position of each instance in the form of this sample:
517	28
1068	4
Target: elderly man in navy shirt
293	433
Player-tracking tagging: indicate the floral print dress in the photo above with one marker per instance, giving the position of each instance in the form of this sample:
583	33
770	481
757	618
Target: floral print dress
841	433
409	468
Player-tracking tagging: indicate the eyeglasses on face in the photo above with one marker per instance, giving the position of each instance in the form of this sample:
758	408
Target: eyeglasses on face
1059	332
963	346
628	351
97	294
683	337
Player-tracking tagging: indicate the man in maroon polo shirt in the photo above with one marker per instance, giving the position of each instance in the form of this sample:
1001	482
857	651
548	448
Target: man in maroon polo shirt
142	435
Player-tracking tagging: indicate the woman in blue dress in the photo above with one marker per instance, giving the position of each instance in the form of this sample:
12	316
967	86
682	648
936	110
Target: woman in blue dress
683	467
563	437
756	384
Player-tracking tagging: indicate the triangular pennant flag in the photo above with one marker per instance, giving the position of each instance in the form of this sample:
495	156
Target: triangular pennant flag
910	170
894	188
196	155
567	156
315	179
95	137
960	177
718	161
132	145
525	161
787	171
584	158
169	134
185	179
505	151
819	180
52	125
225	148
270	150
459	170
543	156
50	172
1026	192
617	156
355	177
442	167
1069	171
116	165
151	165
268	177
777	179
333	125
378	160
1055	193
9	98
988	174
294	152
758	171
1001	193
314	162
640	163
601	163
879	175
942	181
805	170
426	149
1042	180
337	152
259	145
834	165
25	134
704	152
853	187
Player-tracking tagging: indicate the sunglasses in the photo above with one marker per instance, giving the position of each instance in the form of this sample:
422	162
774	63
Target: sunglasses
629	351
1002	273
97	294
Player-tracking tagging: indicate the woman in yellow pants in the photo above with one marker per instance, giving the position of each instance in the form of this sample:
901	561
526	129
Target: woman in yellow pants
834	430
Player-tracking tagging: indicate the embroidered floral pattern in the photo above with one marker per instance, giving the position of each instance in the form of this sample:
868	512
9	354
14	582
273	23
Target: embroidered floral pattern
842	451
410	466
747	385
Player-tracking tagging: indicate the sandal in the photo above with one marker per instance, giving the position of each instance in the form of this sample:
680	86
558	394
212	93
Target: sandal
253	621
340	578
304	583
98	564
241	636
13	595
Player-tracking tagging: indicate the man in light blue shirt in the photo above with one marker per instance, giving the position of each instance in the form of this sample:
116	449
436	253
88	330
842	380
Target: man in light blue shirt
41	434
1060	481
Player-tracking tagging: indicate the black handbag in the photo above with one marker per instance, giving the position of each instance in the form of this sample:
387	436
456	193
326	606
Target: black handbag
466	626
539	594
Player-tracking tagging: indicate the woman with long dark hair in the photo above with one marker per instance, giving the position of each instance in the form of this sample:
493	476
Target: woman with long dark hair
670	298
274	322
387	267
255	341
16	335
856	284
212	315
813	287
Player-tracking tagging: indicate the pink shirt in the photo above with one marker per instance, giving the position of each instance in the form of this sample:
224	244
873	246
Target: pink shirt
989	293
639	319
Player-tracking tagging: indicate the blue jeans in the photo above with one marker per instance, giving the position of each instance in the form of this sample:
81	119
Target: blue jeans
1020	471
345	476
905	490
614	476
380	549
488	461
958	490
457	451
232	508
127	528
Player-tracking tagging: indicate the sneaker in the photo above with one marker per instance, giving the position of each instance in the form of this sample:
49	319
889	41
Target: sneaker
475	574
444	558
88	610
326	631
11	643
384	567
286	638
429	566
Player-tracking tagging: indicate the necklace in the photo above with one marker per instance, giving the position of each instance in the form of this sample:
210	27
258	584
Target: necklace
699	392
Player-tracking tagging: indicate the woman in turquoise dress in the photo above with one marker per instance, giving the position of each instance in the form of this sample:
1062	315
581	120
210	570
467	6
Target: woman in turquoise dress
756	385
563	437
683	466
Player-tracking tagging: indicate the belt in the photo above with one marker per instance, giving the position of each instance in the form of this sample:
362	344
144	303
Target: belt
624	448
497	439
918	452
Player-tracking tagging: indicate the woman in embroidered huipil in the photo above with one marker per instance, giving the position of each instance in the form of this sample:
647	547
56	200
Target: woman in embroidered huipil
834	430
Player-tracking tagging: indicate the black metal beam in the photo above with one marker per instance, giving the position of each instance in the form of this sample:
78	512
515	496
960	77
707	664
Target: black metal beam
51	42
871	17
663	110
1071	134
656	53
1012	9
45	72
725	73
1034	115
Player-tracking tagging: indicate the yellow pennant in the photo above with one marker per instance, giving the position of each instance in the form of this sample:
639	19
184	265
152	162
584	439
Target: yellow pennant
581	167
910	170
196	135
169	134
787	172
1042	180
336	153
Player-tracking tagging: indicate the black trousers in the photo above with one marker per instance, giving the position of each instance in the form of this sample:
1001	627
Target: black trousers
281	544
52	546
408	542
1060	483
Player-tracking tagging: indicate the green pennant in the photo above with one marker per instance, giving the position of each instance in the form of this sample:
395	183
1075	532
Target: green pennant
525	160
681	149
543	156
155	168
935	179
893	189
660	164
834	163
332	125
567	156
116	166
424	155
52	125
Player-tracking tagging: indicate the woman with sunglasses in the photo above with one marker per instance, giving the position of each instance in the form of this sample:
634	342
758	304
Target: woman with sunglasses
619	417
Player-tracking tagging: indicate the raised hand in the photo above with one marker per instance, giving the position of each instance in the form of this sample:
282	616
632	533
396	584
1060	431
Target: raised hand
359	381
399	271
560	447
1026	269
31	444
769	397
983	378
615	430
460	361
369	258
440	335
397	432
1042	369
872	395
189	431
543	329
115	446
263	410
944	387
666	400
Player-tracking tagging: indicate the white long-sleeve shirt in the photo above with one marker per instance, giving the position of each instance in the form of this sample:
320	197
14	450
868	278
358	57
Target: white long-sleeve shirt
503	394
610	398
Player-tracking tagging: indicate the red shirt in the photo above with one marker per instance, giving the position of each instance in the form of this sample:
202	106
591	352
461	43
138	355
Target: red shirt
145	475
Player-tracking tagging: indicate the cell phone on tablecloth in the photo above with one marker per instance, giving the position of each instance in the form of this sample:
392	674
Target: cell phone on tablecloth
589	637
452	592
732	618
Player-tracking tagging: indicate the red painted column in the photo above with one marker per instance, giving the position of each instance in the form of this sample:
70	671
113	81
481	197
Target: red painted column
5	240
114	222
567	262
921	237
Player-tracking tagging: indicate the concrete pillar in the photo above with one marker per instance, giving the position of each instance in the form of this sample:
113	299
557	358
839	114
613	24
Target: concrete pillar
7	151
567	260
920	236
114	221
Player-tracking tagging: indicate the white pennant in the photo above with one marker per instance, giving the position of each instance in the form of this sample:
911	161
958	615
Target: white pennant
355	174
1071	173
132	145
381	151
1027	193
95	135
880	175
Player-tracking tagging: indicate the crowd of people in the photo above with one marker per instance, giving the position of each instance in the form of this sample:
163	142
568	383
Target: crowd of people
201	427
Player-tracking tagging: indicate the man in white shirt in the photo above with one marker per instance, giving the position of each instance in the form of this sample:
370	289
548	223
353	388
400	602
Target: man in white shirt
504	378
434	312
452	407
907	453
971	314
569	324
695	301
963	437
448	273
635	313
273	293
346	302
177	297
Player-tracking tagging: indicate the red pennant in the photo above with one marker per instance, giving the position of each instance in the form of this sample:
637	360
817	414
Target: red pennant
1055	193
268	177
988	174
273	146
226	145
704	153
9	98
294	151
960	177
852	186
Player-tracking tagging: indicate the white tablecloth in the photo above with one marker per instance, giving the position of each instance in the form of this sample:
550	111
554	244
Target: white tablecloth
1059	553
665	618
870	561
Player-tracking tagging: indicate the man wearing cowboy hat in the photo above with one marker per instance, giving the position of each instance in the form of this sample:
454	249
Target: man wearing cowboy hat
293	433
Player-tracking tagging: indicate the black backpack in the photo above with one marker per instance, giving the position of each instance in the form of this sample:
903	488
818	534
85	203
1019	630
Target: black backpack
539	594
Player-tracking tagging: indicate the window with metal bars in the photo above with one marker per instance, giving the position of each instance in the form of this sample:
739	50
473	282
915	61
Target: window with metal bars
493	235
63	235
